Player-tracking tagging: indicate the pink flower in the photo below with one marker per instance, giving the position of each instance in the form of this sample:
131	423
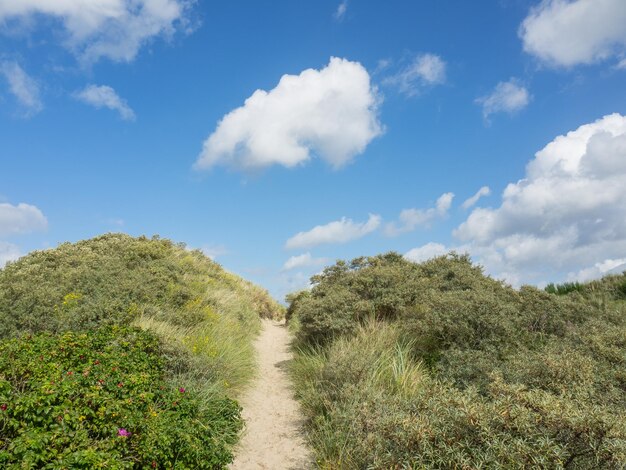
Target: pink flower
123	432
3	407
181	390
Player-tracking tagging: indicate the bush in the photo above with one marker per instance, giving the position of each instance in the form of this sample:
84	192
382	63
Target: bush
493	377
115	279
204	318
565	288
100	398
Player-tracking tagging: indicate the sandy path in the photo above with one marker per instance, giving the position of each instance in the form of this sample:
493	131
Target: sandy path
273	438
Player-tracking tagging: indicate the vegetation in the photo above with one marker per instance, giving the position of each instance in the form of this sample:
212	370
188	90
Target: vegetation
611	287
565	288
434	365
123	352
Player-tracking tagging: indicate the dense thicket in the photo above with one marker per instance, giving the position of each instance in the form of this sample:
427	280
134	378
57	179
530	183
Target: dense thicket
145	319
115	278
99	399
405	365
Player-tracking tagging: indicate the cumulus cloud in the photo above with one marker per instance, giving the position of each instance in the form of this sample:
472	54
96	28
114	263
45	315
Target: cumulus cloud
340	13
424	71
507	97
331	113
567	33
470	202
93	29
339	231
410	219
8	252
609	266
425	252
566	215
20	219
24	88
302	261
105	97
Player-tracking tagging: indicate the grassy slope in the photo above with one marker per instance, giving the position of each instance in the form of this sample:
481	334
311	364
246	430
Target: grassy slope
204	317
402	365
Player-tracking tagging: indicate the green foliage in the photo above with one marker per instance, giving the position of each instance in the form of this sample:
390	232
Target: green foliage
612	287
66	399
204	318
565	288
435	365
114	279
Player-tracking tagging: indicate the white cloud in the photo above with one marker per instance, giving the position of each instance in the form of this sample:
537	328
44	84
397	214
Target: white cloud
340	13
425	252
22	86
93	29
470	202
567	214
302	261
424	71
382	64
20	219
621	64
506	97
340	231
410	219
105	97
331	113
214	251
609	266
8	252
567	33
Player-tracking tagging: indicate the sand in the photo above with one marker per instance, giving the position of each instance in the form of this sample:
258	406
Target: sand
273	438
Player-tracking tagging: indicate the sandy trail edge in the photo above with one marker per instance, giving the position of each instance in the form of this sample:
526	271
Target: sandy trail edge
273	438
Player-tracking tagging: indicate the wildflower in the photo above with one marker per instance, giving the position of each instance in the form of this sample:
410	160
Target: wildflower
120	385
123	432
3	407
181	389
154	464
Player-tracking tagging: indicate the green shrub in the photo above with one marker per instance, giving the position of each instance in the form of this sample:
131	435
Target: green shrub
204	318
100	399
494	377
114	279
370	406
565	288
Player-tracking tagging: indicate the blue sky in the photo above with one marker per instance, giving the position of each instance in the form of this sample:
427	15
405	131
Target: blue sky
141	116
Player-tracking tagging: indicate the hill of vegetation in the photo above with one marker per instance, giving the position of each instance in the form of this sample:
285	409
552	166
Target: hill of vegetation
435	365
122	352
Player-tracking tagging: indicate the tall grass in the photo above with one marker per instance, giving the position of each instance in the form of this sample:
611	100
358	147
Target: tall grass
375	362
217	353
